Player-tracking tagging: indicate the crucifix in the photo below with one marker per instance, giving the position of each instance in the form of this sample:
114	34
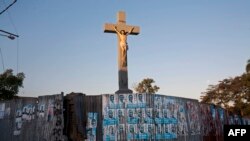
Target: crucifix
122	30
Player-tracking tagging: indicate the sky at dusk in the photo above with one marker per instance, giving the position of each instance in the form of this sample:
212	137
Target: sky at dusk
183	45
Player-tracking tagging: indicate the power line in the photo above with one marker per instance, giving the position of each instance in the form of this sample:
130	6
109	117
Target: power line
8	7
17	42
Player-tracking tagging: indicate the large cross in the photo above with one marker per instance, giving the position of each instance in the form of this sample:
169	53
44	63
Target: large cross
122	30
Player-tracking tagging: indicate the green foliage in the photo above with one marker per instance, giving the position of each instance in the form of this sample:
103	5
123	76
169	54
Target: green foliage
145	86
9	84
232	94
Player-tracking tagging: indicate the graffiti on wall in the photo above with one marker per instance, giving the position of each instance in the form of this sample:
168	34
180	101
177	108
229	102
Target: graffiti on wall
41	110
91	126
24	114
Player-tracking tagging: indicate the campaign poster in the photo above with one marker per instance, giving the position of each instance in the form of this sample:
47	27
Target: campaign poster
158	102
121	132
121	115
91	126
131	131
110	117
158	116
149	116
171	108
113	101
109	133
132	116
150	131
131	101
173	130
141	101
142	132
166	116
182	128
166	134
92	120
2	109
140	114
122	98
158	131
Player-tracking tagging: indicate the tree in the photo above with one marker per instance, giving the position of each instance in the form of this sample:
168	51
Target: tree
145	86
232	94
10	84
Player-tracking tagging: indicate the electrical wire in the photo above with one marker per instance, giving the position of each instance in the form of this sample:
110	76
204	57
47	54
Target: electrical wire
16	32
8	7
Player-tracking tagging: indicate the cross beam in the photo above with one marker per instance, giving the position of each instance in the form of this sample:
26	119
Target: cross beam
122	30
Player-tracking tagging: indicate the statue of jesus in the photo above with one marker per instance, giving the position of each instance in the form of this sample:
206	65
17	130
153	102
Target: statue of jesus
123	44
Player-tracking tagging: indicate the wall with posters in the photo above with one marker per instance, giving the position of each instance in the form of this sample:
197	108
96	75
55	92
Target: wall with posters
111	117
161	117
150	117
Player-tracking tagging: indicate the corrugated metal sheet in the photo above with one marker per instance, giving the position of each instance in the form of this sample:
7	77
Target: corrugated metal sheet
33	119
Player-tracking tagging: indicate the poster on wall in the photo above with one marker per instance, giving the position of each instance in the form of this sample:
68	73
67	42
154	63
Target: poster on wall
149	116
110	133
141	100
113	101
142	132
91	126
182	128
158	102
110	117
194	122
2	110
121	116
122	98
131	131
132	116
141	115
171	108
150	131
158	131
131	101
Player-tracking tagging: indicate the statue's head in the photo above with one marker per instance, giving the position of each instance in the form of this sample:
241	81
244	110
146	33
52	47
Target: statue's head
122	32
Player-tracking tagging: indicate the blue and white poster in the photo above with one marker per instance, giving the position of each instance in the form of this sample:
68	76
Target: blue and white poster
110	117
141	100
131	101
149	116
132	116
91	126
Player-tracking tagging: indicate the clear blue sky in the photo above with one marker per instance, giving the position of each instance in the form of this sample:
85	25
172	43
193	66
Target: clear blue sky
183	45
